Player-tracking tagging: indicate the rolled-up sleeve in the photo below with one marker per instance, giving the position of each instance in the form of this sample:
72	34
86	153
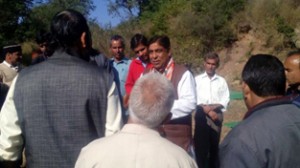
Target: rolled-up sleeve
11	141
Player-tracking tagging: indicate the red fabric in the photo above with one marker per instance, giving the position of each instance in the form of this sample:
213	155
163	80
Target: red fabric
136	68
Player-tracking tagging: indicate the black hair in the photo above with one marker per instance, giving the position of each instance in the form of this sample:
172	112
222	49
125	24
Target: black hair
162	40
138	39
212	55
43	36
295	52
265	76
117	38
67	27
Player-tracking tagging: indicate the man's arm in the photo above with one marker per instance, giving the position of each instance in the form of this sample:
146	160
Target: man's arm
187	98
11	141
130	80
211	110
114	112
224	95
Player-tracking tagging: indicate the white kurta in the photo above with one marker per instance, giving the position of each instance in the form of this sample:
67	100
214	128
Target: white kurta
134	146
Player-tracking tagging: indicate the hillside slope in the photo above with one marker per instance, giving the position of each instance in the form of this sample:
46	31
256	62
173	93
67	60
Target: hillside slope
234	58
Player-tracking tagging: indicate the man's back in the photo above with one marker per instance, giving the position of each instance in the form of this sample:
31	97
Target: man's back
268	138
61	105
134	146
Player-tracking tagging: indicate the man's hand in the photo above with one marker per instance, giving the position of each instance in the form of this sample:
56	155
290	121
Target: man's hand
206	108
209	110
213	115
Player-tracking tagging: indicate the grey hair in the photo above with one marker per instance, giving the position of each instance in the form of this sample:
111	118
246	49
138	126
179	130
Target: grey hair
151	99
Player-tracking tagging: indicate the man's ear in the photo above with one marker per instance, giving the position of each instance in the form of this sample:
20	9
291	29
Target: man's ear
83	40
247	93
246	89
8	56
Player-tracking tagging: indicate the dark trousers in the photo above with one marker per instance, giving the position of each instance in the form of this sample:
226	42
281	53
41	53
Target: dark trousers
206	139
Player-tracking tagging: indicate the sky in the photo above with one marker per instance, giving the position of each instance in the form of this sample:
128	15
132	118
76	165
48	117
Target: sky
102	16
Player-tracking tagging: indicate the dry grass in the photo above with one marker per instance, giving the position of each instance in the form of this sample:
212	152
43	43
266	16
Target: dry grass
235	112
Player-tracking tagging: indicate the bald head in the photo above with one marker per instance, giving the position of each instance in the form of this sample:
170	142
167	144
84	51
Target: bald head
292	68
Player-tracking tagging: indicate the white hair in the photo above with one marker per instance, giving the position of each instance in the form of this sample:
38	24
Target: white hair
151	99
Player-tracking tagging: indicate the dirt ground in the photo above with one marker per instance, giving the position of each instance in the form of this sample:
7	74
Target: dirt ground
235	113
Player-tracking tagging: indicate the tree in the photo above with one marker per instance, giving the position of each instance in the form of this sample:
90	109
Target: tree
135	8
21	19
42	14
13	15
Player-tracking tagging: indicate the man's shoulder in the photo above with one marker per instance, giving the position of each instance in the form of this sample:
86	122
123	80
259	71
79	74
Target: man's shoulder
180	67
127	60
180	70
200	76
136	62
296	101
3	67
2	64
174	153
158	149
219	77
264	122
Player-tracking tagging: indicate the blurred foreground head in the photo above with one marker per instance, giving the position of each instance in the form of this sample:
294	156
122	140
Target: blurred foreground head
263	78
292	68
71	33
151	100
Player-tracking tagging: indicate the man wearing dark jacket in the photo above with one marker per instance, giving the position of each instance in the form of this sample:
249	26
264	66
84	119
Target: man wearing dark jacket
269	135
56	107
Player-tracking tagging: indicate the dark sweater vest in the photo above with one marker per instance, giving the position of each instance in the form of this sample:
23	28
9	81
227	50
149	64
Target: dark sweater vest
61	105
179	70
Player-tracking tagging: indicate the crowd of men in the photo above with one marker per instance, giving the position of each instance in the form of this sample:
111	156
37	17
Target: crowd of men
74	107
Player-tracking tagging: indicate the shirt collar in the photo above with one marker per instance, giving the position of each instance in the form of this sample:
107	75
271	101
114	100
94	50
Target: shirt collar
138	129
205	75
141	62
123	60
7	64
268	103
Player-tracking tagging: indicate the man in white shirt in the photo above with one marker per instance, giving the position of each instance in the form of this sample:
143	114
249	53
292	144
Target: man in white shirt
9	67
212	101
178	129
139	144
120	64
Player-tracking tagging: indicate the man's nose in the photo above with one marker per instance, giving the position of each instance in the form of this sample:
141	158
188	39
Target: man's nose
153	55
